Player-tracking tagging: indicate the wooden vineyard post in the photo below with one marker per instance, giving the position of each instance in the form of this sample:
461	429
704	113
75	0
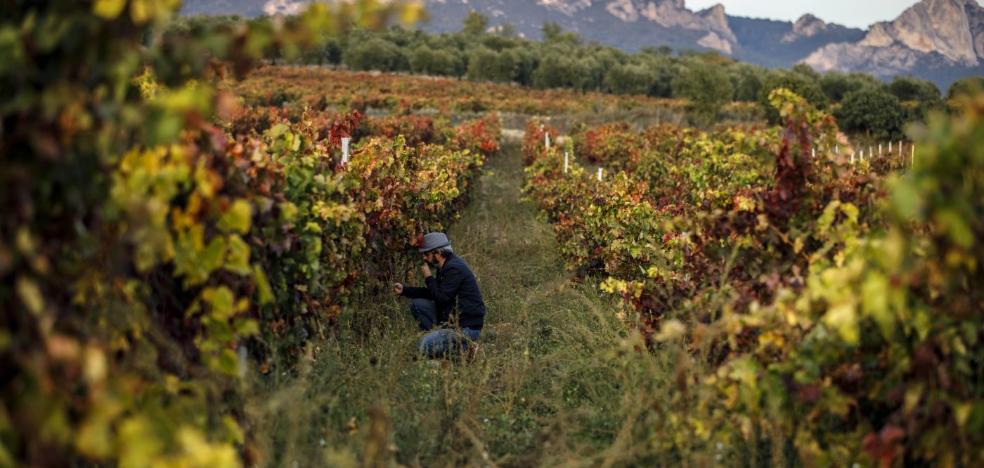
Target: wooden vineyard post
566	161
242	360
346	141
600	174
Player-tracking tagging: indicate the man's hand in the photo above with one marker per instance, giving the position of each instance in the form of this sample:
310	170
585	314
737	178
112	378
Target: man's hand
426	270
398	288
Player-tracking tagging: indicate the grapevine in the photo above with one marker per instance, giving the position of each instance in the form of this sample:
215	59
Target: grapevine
833	309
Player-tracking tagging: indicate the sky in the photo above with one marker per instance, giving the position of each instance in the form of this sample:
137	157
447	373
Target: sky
855	13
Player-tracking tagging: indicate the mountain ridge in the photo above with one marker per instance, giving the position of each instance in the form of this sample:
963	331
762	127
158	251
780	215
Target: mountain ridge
938	40
930	35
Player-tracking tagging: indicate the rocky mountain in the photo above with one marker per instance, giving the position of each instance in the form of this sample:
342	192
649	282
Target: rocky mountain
940	40
930	35
781	43
807	26
627	24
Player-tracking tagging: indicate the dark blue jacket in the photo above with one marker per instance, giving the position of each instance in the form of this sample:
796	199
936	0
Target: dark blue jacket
455	293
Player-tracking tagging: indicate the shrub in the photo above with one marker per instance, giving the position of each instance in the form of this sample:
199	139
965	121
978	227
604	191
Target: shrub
375	54
706	86
873	111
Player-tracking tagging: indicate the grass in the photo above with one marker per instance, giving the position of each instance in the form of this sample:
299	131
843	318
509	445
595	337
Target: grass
557	380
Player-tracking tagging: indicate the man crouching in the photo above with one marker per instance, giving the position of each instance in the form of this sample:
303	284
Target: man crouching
451	299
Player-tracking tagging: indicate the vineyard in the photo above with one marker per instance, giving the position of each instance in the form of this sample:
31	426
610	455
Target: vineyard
822	310
321	87
311	86
146	263
198	248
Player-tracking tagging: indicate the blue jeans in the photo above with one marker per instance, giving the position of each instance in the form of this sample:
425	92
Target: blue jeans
443	342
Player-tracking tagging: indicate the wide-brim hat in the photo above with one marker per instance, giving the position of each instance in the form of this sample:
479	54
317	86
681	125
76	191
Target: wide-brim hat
434	241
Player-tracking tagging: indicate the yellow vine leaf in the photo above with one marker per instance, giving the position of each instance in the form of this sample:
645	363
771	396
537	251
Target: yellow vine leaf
108	9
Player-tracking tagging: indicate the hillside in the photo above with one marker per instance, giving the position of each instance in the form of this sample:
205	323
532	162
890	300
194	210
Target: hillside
939	40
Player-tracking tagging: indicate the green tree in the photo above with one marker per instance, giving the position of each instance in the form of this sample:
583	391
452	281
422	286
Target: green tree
499	43
553	33
475	24
428	61
556	71
806	70
706	86
871	110
488	65
798	83
661	71
918	96
331	52
836	85
747	82
609	57
908	88
966	87
507	30
375	54
628	79
661	51
590	73
526	62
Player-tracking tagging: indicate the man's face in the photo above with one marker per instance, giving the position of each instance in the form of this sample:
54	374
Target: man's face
430	258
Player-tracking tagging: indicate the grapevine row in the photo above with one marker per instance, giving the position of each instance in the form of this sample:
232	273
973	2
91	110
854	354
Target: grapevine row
160	237
314	86
822	311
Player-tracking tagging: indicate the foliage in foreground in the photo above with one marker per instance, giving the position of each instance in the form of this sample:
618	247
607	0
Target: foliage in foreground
830	313
158	237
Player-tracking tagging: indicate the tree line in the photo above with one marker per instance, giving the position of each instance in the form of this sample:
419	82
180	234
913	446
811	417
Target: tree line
862	103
